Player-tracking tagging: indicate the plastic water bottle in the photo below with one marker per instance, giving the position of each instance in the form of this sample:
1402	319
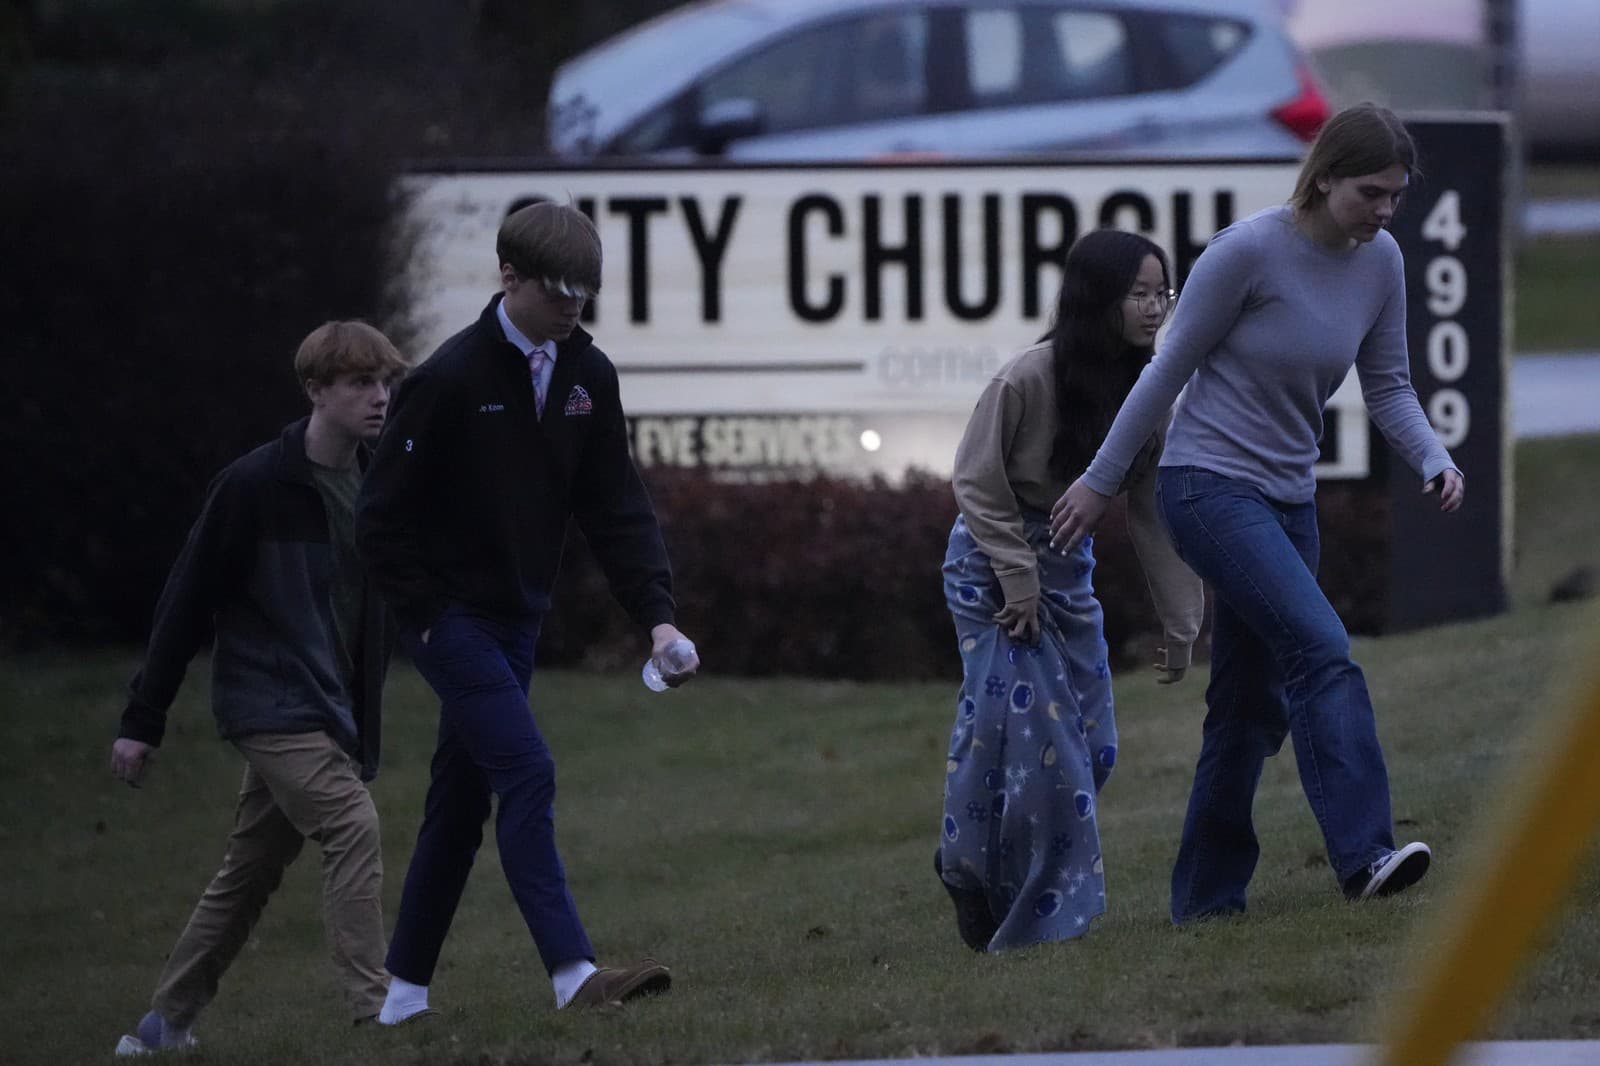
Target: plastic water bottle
677	657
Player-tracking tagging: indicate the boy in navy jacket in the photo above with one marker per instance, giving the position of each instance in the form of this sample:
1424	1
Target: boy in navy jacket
513	427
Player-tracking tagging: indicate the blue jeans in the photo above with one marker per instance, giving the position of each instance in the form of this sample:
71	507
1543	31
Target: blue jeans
488	744
1280	666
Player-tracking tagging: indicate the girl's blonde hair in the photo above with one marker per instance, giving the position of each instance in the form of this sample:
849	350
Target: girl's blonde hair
1358	140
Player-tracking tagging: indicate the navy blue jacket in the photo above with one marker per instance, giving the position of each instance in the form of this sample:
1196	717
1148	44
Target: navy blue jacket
469	493
257	572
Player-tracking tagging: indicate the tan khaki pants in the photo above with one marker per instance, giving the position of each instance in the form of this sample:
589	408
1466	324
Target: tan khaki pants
296	785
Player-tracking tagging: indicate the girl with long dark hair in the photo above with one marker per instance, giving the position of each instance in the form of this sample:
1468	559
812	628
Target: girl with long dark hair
1035	737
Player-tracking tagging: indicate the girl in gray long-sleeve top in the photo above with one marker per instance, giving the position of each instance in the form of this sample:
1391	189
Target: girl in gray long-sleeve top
1276	311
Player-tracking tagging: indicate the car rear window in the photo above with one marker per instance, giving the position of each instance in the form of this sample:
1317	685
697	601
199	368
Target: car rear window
792	80
861	69
1196	45
852	70
1035	54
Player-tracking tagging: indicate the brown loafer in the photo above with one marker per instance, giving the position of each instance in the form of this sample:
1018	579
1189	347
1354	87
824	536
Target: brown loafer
612	986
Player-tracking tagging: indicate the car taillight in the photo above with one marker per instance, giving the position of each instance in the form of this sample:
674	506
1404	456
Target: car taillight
1305	114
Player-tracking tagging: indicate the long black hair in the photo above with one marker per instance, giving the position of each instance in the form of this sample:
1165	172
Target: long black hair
1095	367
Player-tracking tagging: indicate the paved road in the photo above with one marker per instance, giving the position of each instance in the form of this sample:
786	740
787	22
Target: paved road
1556	394
1560	218
1499	1053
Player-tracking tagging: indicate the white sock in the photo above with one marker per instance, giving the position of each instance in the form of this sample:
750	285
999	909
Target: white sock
404	1000
568	978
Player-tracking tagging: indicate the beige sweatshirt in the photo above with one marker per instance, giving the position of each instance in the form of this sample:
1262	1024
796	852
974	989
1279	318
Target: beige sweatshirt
1003	466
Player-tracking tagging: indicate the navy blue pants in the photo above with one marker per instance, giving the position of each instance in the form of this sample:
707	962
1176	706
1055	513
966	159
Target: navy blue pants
488	744
1280	667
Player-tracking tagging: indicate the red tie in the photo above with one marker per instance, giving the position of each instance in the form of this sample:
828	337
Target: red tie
536	361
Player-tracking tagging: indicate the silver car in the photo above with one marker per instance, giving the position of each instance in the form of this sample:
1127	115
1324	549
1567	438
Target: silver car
1438	56
864	79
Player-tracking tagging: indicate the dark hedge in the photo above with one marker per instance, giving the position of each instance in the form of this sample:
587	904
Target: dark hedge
841	579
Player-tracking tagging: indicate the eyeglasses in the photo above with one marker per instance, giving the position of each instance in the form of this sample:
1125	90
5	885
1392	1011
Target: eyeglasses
564	290
1159	302
554	288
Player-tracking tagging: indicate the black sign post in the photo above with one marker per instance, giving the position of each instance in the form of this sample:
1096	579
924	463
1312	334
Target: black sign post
1452	229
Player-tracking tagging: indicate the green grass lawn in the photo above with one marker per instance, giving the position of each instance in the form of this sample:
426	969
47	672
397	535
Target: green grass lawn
1556	309
1561	181
1557	513
772	841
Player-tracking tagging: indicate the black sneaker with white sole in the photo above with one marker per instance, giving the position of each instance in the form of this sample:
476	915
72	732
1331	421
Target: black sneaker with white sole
974	921
1395	872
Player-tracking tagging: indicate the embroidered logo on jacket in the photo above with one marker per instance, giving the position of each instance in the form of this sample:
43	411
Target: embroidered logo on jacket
490	408
578	402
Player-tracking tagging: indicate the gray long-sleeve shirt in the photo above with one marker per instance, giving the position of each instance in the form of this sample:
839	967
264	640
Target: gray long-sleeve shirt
1268	326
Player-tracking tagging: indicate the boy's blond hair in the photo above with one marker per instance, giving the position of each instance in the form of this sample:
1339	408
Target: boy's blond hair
553	243
346	347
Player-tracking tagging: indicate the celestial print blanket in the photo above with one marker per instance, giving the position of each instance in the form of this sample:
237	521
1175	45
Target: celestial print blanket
1034	741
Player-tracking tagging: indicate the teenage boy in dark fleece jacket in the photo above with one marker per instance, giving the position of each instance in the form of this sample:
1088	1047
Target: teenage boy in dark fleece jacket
297	681
511	428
